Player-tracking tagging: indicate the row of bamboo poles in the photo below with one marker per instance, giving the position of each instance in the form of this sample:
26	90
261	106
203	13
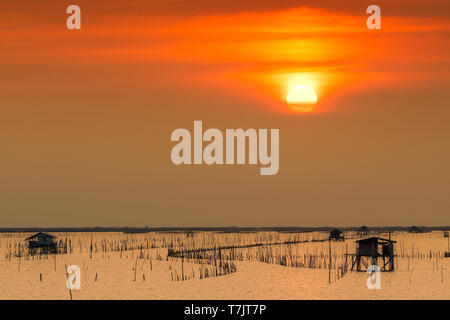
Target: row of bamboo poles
203	248
213	264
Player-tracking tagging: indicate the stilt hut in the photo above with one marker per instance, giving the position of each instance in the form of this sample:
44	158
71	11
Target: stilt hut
363	231
372	251
336	235
415	229
44	243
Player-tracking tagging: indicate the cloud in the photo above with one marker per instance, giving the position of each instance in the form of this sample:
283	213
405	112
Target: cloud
185	8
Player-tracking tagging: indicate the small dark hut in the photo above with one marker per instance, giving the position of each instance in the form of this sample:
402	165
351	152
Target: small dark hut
415	229
370	250
44	243
363	231
336	235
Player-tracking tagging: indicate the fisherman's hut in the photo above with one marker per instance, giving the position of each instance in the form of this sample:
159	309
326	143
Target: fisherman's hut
336	235
415	229
363	231
43	243
372	250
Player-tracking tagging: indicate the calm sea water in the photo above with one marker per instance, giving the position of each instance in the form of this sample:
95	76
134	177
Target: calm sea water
146	273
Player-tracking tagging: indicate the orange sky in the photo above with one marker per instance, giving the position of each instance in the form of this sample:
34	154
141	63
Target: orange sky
263	47
87	114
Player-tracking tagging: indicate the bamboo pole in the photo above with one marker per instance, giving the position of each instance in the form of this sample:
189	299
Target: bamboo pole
329	263
68	283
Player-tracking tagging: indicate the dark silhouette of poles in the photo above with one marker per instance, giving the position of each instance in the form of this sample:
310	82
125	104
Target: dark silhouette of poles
329	263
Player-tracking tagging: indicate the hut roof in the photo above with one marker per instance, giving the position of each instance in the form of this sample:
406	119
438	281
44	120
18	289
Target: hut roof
40	234
377	240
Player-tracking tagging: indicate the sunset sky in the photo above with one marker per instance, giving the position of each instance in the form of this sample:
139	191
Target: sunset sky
86	115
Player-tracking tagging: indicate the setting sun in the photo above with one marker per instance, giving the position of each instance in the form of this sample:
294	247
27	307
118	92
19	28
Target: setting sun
301	98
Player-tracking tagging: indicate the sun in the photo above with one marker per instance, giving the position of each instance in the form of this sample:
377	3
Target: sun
301	98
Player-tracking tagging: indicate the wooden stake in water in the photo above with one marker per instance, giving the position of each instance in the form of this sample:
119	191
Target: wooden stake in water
90	249
182	268
68	283
329	263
